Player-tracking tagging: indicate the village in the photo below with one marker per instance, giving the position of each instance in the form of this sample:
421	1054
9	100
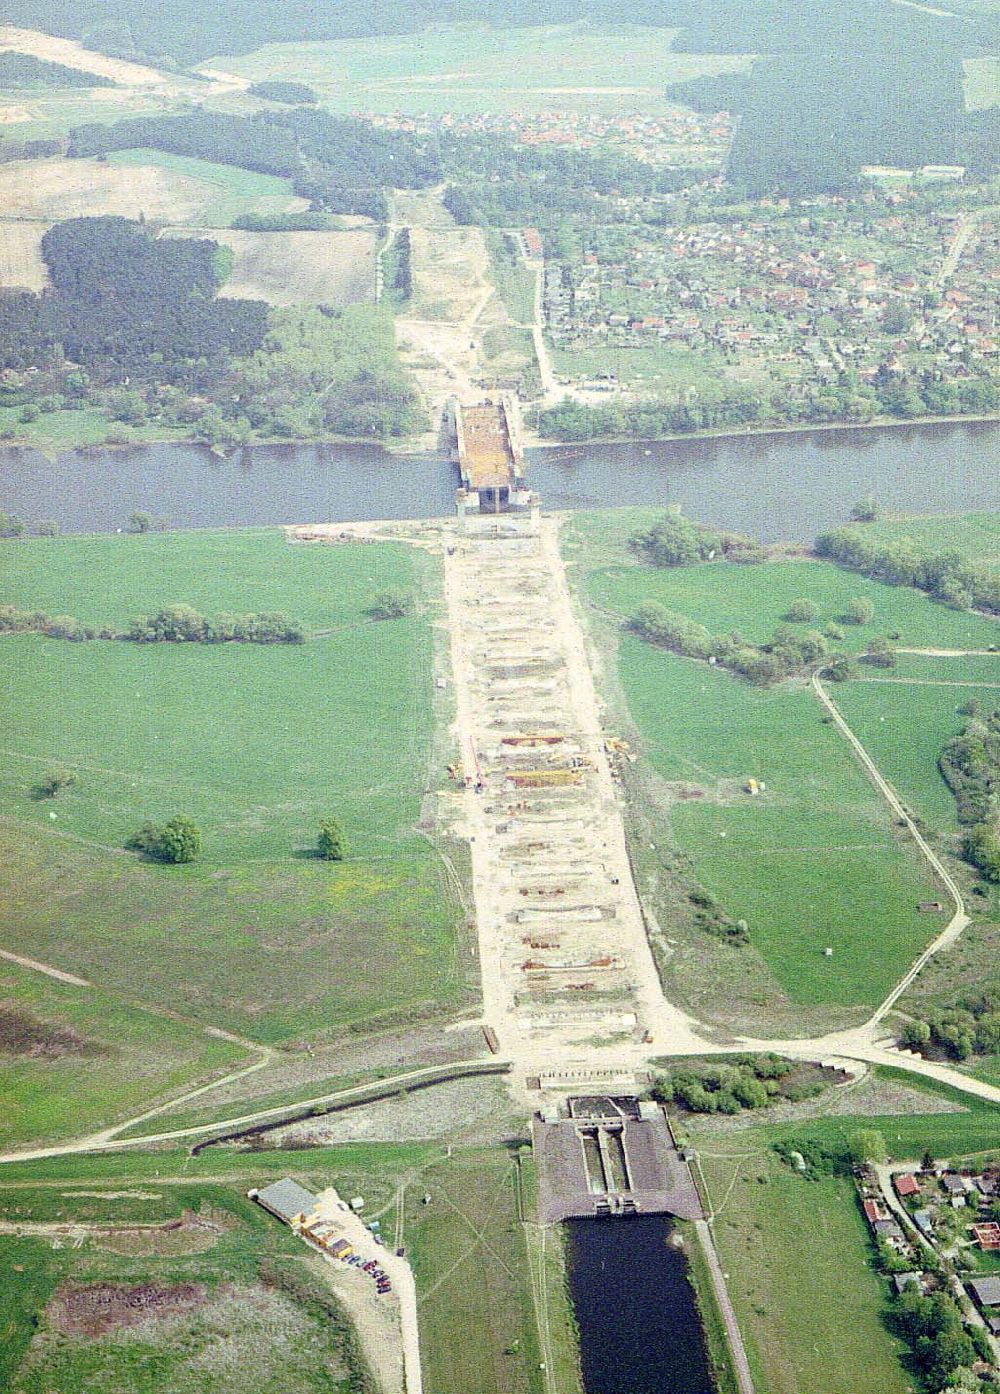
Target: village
790	296
937	1229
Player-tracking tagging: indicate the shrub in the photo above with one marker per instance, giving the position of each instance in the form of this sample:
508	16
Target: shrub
331	845
802	612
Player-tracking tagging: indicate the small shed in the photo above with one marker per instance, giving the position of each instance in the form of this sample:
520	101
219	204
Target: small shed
907	1185
903	1280
952	1184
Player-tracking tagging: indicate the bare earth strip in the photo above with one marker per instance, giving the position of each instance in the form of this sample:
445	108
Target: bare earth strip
73	55
51	190
21	265
296	268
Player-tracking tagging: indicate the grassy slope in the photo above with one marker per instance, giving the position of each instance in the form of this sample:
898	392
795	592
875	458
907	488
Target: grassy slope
135	1056
256	936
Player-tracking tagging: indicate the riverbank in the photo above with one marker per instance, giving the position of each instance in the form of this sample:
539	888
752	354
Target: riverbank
877	423
108	435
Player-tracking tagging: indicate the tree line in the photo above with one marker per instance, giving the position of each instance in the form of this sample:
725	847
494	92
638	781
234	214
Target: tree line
24	70
173	624
735	407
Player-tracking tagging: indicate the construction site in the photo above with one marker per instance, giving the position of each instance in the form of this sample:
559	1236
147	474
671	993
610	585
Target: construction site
486	446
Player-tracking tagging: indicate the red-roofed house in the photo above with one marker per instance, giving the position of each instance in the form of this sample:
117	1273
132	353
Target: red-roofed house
906	1185
987	1235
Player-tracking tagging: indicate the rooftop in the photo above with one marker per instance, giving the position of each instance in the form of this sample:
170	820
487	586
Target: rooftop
286	1199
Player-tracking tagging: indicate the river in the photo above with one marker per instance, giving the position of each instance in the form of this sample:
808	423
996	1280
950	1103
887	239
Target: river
785	486
640	1332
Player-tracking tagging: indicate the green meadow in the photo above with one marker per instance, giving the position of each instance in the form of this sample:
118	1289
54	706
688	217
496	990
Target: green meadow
975	535
257	744
905	725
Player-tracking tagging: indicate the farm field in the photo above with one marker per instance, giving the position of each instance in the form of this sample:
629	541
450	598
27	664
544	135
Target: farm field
806	863
101	1060
228	191
296	268
755	600
571	66
51	190
273	739
975	535
796	1253
21	264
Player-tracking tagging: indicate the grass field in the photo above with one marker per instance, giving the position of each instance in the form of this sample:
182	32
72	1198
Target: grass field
472	68
975	535
904	727
127	1059
808	1303
296	268
514	282
257	744
810	864
469	1256
654	366
755	599
815	862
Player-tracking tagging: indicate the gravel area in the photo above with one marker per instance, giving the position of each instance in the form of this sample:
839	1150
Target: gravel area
439	1111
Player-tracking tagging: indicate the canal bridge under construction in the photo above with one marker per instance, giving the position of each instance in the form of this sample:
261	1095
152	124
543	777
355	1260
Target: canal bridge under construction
610	1156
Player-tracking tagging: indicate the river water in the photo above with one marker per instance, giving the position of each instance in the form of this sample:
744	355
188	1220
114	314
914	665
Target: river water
786	486
640	1332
